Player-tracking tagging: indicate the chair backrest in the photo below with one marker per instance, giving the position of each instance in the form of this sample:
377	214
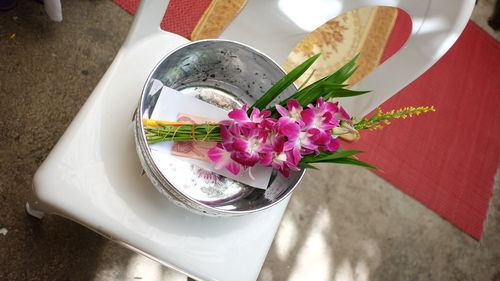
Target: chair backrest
276	26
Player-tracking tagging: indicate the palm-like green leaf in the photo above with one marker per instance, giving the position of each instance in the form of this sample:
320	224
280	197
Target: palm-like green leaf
351	161
343	93
346	160
326	155
340	156
282	84
303	165
328	87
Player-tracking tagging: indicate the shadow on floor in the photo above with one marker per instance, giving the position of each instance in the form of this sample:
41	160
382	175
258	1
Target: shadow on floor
345	223
47	70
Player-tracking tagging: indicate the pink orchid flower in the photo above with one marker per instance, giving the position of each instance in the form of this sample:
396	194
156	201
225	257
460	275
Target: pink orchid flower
281	160
222	159
248	145
293	111
321	115
248	140
240	115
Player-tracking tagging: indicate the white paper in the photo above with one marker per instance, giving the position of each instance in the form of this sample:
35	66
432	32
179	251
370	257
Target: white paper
169	105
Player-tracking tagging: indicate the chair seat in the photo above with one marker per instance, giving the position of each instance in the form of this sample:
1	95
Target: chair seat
93	176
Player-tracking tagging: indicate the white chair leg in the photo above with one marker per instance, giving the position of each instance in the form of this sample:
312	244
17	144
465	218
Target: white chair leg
34	212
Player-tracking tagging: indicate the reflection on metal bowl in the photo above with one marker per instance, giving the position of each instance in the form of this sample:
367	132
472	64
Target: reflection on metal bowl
226	74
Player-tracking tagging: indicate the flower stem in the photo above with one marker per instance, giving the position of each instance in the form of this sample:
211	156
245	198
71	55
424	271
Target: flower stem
163	131
379	117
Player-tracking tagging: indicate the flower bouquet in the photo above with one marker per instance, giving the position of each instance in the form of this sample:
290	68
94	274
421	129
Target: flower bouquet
293	134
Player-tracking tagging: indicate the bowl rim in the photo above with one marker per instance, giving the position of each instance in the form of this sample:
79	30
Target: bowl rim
178	194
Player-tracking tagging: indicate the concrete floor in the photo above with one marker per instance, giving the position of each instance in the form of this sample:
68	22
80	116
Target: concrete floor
358	228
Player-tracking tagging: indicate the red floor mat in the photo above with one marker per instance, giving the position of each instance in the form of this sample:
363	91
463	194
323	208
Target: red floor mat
447	160
181	18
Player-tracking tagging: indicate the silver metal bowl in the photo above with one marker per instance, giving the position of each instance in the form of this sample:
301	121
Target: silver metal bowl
226	74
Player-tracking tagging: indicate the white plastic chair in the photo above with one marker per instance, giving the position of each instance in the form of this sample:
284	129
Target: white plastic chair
93	175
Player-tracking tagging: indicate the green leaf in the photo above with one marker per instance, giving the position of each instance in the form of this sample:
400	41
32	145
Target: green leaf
325	156
324	89
307	166
346	71
350	161
282	84
342	93
307	80
301	94
311	93
339	76
327	87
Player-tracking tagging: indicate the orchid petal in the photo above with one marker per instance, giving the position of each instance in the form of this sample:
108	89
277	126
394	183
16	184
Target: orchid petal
289	145
265	113
342	115
266	159
282	111
255	114
216	153
285	172
238	115
333	145
293	104
288	128
240	144
233	167
307	116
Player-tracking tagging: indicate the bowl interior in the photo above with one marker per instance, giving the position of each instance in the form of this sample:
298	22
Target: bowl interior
226	74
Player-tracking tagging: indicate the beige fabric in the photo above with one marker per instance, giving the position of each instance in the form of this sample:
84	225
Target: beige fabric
216	17
363	31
